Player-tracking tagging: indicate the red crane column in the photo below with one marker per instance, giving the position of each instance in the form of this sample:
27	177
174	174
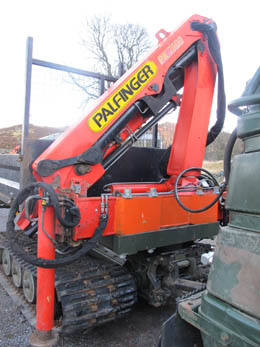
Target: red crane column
191	131
43	335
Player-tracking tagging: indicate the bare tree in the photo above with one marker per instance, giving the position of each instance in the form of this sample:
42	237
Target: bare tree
112	49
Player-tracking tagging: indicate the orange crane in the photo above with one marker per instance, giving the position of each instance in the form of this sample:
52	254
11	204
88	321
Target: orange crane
89	191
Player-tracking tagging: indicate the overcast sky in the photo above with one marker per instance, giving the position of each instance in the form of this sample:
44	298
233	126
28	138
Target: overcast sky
56	26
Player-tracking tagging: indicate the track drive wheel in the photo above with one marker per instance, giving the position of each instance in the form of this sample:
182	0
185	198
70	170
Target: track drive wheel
7	262
17	275
29	287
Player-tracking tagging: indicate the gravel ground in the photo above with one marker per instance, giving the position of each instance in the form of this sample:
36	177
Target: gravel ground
140	328
14	328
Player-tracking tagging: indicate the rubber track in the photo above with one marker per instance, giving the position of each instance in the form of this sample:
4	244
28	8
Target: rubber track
93	297
28	310
90	291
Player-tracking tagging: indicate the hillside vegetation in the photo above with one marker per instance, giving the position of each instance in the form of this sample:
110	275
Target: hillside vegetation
11	137
214	152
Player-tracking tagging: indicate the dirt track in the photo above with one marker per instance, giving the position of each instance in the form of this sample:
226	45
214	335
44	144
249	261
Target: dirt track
141	328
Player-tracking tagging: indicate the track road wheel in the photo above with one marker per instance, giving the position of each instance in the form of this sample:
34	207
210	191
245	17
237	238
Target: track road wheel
7	262
17	274
29	287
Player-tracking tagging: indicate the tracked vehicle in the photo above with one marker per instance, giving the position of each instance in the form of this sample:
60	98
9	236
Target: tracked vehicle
103	222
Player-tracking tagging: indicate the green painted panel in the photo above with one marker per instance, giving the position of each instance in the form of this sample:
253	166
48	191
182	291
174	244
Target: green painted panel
244	184
238	330
224	278
131	244
220	323
248	125
234	273
252	144
245	221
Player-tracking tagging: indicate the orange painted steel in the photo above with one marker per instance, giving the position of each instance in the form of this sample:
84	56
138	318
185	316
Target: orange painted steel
141	187
191	131
45	277
171	46
90	212
187	150
140	213
143	214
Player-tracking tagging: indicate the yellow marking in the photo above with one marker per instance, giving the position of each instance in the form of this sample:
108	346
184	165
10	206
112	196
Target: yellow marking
122	97
170	50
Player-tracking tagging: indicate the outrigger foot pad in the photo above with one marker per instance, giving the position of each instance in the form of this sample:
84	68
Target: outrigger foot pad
40	338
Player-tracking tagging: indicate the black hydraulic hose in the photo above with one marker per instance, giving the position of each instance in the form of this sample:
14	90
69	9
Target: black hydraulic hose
50	263
228	153
30	232
227	167
54	201
210	31
201	209
55	263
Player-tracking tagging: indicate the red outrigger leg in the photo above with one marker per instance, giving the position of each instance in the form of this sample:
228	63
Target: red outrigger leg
43	335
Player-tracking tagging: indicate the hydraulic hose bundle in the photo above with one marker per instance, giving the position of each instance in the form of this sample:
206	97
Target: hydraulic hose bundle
210	31
206	207
74	220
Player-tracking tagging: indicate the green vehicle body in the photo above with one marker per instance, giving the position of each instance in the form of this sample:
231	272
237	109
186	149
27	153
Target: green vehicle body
227	313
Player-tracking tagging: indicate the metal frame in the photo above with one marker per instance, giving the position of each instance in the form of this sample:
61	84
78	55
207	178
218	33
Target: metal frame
30	61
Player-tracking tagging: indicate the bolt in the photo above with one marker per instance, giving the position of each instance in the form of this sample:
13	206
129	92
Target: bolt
154	87
150	251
